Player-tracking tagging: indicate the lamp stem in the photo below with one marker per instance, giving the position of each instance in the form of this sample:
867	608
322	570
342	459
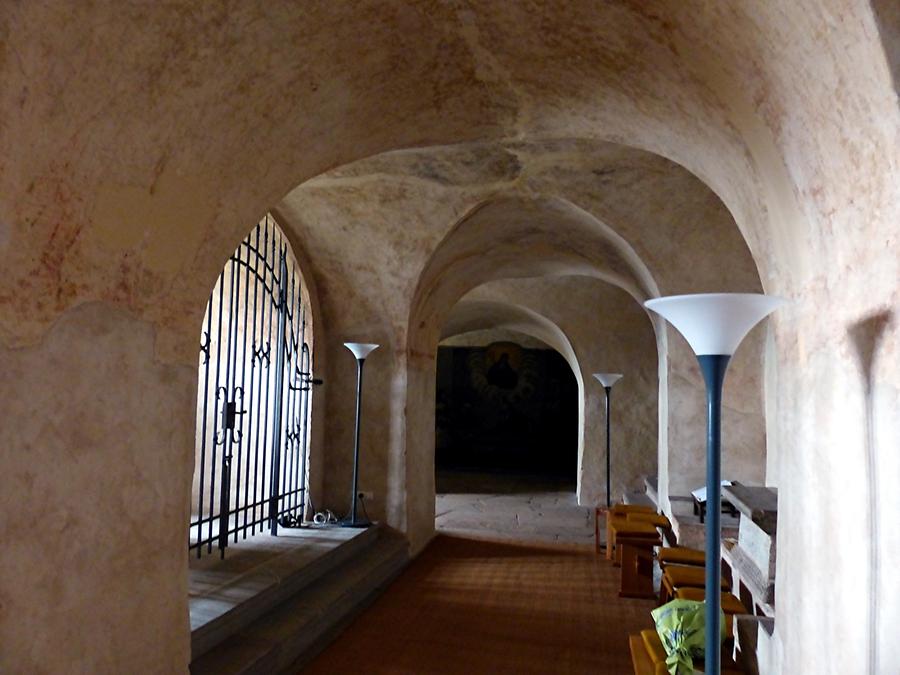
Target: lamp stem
608	489
713	367
359	377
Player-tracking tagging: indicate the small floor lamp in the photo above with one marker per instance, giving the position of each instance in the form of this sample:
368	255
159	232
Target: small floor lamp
607	380
360	351
714	325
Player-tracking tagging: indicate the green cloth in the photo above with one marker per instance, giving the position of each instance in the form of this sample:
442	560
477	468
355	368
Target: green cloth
681	628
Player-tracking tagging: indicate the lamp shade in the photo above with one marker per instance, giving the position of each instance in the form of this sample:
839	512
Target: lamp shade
361	349
715	323
608	379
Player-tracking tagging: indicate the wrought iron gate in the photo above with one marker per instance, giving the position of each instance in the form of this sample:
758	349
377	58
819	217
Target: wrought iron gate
253	404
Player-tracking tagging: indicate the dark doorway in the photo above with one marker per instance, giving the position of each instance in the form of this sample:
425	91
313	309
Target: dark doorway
506	410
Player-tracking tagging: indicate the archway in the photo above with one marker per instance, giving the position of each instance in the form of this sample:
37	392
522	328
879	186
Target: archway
254	403
505	406
504	448
551	238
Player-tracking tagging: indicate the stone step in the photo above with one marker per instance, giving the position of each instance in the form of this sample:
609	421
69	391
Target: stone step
638	498
288	636
226	600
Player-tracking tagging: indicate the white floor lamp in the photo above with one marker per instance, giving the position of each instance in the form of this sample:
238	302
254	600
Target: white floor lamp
714	325
360	351
607	380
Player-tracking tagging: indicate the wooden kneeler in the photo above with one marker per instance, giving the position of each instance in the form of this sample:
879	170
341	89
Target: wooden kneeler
613	514
676	577
631	529
680	555
637	565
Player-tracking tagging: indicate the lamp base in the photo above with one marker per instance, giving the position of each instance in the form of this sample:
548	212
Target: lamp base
361	524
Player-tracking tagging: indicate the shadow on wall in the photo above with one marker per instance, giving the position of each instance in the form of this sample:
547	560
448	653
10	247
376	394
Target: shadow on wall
866	336
887	15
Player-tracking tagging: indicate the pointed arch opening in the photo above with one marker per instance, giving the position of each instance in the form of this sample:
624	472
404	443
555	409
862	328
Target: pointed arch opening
254	400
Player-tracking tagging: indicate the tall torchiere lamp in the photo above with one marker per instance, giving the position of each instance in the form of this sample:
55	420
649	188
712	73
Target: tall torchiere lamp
714	325
360	351
608	380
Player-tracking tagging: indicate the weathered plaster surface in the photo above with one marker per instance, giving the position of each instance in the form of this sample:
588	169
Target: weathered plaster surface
97	455
138	142
743	428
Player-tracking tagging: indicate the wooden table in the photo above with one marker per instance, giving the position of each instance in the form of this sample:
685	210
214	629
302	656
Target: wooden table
700	508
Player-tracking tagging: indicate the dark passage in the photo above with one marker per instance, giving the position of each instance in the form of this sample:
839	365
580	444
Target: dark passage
506	409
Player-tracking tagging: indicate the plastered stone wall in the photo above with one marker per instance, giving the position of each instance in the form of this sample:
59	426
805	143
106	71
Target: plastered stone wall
138	143
743	433
90	534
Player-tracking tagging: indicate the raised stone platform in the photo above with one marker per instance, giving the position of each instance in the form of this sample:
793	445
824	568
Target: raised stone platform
687	527
752	555
759	504
275	602
639	498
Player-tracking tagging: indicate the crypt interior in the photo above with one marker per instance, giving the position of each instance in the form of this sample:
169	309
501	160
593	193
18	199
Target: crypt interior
201	203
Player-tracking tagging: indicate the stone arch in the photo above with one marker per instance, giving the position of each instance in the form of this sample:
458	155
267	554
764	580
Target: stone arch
531	235
470	315
521	236
669	125
508	237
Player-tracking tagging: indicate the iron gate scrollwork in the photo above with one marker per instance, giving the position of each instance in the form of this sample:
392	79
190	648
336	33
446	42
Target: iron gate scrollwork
253	406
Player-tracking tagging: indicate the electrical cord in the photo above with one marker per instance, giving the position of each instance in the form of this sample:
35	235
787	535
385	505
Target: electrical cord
325	517
328	517
290	520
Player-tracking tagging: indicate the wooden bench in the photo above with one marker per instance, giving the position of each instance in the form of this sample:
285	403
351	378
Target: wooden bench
611	513
620	513
647	660
730	604
681	576
631	529
681	555
648	656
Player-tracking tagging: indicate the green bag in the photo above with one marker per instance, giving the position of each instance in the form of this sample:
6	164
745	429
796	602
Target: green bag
681	628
